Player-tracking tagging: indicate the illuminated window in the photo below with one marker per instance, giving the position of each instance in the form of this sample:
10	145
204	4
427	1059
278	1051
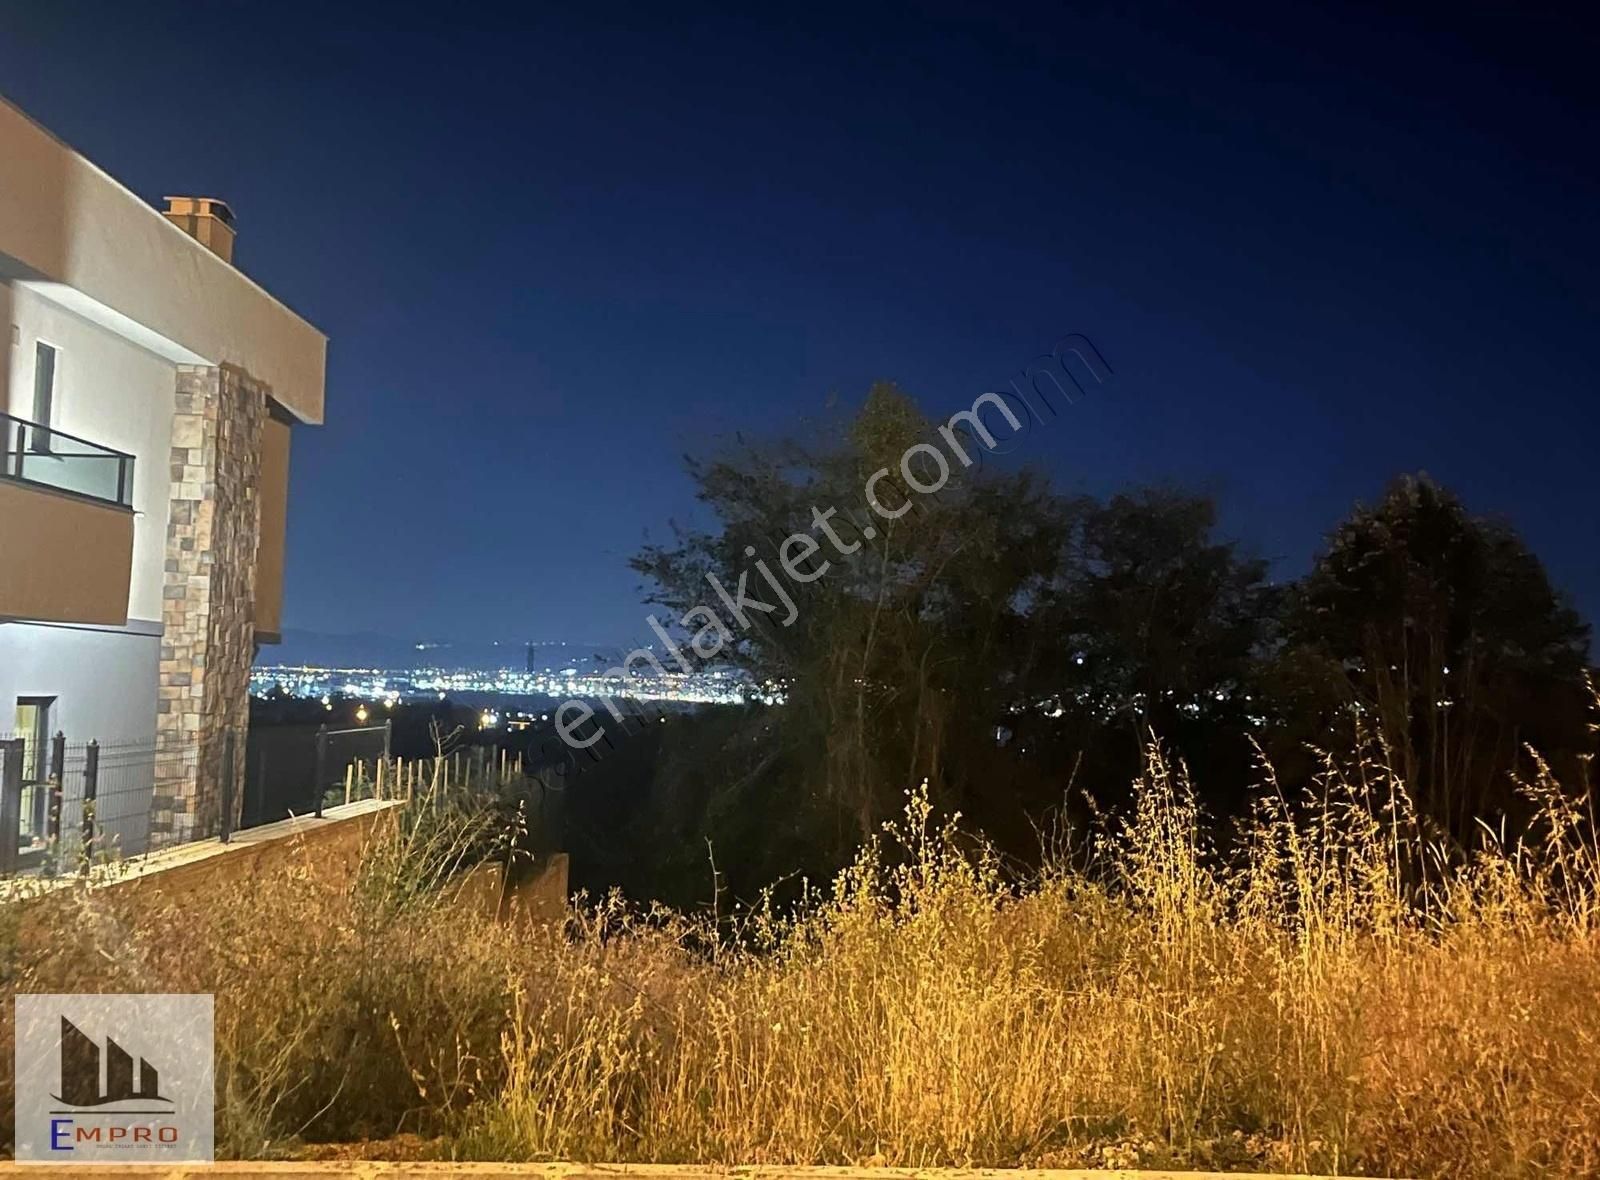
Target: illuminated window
44	394
33	727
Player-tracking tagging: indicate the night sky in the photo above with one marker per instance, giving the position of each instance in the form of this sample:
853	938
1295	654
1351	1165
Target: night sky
1318	246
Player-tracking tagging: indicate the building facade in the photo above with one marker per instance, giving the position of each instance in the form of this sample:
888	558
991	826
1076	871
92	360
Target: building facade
148	391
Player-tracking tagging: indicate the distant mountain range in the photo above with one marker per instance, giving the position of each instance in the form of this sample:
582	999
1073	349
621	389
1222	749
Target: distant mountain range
370	650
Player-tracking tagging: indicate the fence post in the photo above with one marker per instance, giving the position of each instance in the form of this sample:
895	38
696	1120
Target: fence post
225	828
52	813
388	734
322	768
10	803
58	770
91	787
254	805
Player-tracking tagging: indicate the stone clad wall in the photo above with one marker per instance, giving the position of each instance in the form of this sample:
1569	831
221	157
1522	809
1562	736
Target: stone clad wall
208	601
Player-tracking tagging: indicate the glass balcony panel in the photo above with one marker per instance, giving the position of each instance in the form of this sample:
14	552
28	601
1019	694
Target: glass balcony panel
51	458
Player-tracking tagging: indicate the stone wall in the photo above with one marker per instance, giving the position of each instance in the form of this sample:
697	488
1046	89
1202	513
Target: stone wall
208	600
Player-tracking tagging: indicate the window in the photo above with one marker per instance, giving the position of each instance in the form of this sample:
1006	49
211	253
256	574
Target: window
44	394
33	727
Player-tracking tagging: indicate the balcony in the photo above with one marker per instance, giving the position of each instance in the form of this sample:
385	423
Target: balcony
66	527
53	459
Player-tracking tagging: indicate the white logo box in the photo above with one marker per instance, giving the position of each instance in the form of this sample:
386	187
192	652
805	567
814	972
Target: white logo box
115	1079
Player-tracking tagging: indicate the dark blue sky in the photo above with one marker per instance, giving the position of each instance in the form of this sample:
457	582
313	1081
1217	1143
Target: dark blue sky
1319	246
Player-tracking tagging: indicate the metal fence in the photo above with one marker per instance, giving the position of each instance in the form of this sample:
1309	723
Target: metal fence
296	769
341	752
64	805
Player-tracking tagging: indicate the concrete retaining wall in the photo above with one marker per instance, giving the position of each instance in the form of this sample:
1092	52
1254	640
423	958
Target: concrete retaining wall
531	894
330	847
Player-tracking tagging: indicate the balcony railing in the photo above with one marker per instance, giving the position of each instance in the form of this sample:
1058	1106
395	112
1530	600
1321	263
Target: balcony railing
54	459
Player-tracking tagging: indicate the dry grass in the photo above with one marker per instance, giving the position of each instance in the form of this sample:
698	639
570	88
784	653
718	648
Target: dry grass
1333	995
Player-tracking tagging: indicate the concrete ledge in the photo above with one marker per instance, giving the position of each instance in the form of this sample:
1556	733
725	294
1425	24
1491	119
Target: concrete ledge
366	1170
335	842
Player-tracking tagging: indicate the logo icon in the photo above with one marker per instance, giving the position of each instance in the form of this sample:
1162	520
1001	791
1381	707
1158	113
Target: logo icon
80	1072
114	1079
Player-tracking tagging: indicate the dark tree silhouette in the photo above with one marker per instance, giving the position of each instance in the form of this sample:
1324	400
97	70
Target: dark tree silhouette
1441	631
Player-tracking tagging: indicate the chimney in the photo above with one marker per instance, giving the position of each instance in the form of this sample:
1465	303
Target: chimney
205	219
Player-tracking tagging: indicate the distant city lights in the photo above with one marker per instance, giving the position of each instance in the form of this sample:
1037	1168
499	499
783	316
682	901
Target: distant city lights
721	686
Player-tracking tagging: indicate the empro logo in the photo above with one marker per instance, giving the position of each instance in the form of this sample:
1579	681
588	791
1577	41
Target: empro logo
83	1067
89	1086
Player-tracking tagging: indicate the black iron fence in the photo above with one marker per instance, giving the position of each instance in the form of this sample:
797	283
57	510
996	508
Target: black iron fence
295	769
64	804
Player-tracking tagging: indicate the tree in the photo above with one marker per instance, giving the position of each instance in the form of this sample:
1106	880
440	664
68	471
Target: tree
1005	642
1159	627
1441	631
899	659
994	638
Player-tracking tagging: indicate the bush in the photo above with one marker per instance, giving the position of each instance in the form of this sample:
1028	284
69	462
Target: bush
1328	993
